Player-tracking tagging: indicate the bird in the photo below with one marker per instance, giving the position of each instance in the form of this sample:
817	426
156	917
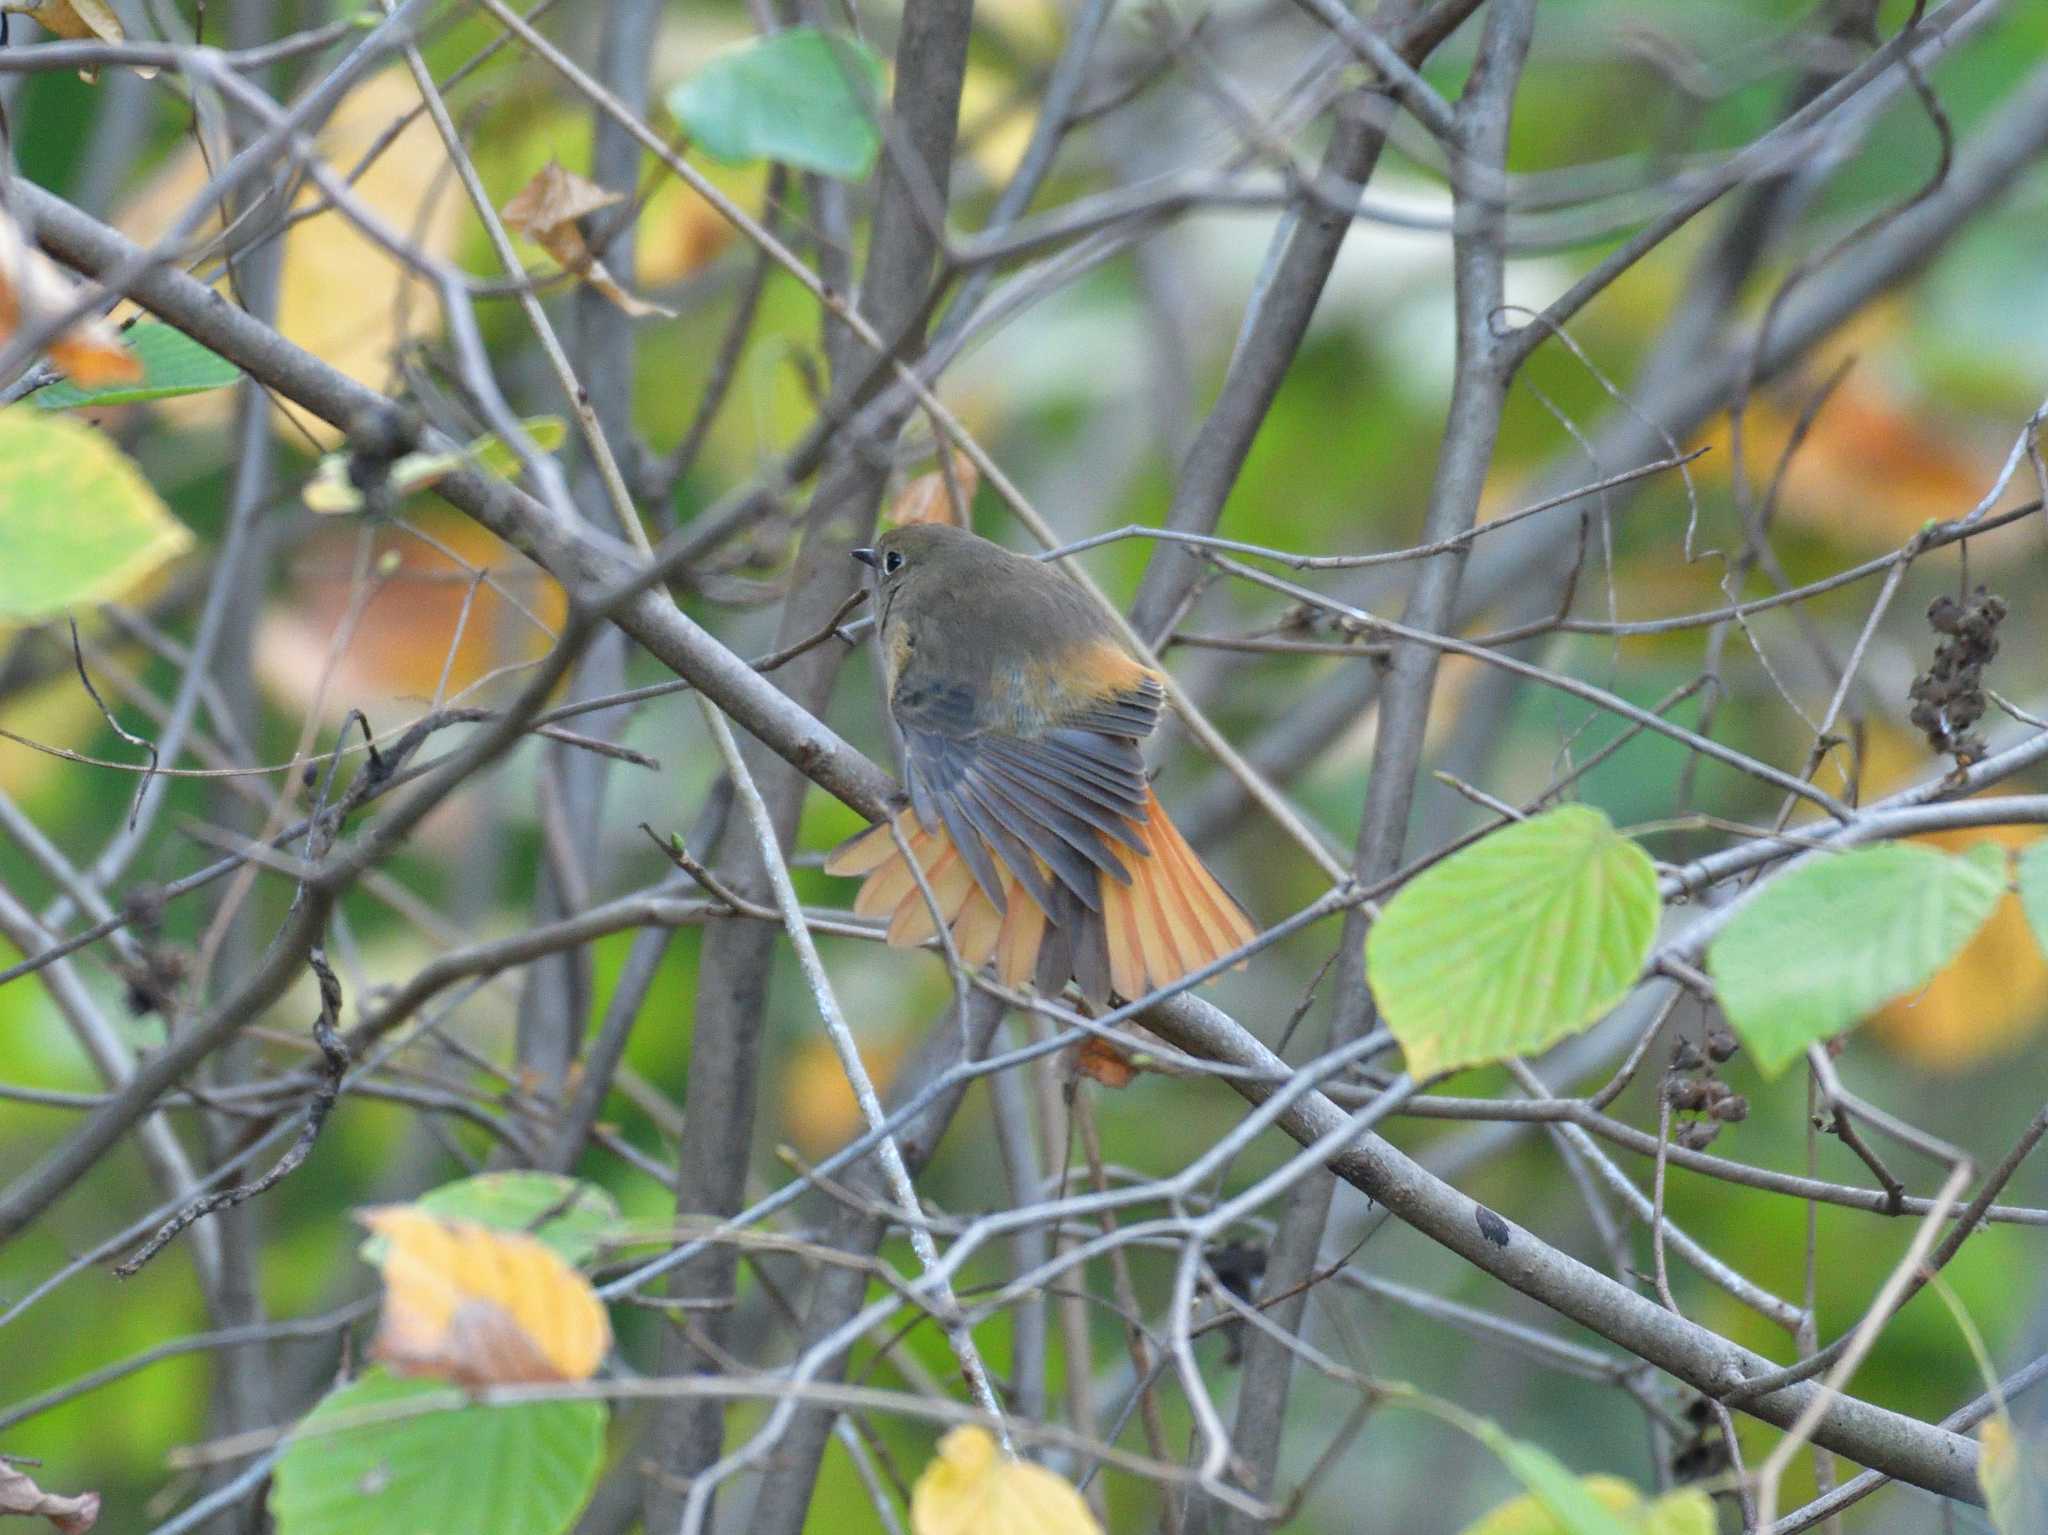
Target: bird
1031	817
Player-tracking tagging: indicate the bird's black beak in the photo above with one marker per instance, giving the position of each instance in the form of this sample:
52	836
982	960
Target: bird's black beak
865	556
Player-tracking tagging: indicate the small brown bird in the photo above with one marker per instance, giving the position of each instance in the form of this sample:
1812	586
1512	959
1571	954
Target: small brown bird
1030	813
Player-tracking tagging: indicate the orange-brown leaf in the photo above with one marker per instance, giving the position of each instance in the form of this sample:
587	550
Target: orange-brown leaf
1991	999
424	629
89	351
1869	471
926	498
1100	1060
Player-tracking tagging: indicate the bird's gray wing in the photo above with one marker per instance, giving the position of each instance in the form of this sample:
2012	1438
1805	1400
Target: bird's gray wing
1063	795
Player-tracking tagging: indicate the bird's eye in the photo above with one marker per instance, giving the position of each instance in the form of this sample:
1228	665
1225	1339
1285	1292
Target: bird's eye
891	563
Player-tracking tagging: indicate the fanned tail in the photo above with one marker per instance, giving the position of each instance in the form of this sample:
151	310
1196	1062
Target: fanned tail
1171	919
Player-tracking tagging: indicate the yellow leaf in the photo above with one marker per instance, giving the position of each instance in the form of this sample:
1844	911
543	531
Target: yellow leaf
60	557
481	1306
972	1488
2013	1471
996	122
57	712
1032	29
1687	1512
681	232
818	1105
89	351
330	491
341	296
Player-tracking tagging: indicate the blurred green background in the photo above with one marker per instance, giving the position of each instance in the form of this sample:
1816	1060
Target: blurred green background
1087	400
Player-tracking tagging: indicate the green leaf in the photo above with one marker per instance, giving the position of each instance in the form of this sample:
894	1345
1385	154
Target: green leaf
78	521
802	96
494	455
2034	890
581	1217
332	491
2013	1470
1526	936
359	1461
1832	939
172	364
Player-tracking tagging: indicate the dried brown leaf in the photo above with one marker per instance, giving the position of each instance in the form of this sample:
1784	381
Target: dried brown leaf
555	196
545	211
78	20
639	308
21	1497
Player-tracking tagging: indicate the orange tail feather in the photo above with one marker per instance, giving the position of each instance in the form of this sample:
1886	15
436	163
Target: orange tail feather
1121	923
1023	933
950	880
1171	919
867	851
977	928
1221	919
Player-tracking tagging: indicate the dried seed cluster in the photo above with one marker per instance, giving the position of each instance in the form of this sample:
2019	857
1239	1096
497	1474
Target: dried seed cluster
1948	698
